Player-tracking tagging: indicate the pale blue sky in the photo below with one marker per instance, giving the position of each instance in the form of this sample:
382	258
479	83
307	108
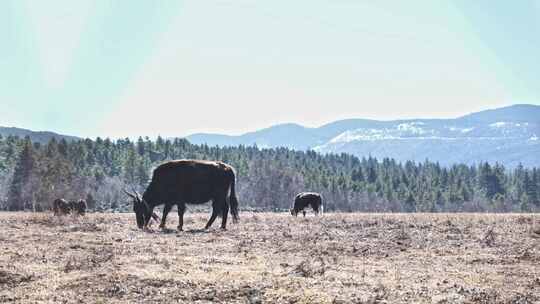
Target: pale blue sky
128	68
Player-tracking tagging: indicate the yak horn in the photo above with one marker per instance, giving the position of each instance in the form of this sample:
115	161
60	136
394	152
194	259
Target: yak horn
130	194
135	191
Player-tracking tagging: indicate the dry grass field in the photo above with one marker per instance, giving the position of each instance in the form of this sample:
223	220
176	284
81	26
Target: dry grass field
272	258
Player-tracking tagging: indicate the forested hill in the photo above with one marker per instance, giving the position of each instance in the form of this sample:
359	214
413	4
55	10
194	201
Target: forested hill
32	175
37	136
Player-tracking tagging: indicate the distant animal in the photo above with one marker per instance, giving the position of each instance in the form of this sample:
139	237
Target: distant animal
304	199
61	207
78	207
182	182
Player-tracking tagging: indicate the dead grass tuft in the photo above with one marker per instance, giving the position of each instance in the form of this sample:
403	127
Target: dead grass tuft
535	231
88	259
11	279
489	237
310	269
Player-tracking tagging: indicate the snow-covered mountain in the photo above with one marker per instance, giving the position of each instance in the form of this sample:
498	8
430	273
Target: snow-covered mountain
509	135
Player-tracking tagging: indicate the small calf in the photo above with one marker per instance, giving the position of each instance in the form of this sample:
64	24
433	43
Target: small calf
304	199
61	207
78	207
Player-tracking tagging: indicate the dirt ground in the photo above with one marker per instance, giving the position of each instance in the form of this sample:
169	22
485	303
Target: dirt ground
272	258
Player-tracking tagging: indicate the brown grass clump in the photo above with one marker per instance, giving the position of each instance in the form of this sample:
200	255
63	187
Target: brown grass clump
272	258
10	279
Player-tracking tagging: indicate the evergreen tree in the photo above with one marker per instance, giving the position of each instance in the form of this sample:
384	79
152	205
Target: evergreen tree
32	175
19	195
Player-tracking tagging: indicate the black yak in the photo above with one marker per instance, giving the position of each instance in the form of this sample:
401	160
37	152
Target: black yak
304	199
78	207
182	182
61	207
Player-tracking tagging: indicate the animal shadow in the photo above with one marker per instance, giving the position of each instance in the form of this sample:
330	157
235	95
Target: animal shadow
197	231
167	231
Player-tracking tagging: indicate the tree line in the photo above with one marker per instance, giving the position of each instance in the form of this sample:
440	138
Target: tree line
33	175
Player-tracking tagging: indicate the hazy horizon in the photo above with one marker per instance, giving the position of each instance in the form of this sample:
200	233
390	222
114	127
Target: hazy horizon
174	68
254	130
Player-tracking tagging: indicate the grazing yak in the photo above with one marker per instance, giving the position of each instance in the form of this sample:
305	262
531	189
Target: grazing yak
182	182
304	199
78	207
63	207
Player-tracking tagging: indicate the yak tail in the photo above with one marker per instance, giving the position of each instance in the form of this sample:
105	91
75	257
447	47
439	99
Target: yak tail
321	208
233	200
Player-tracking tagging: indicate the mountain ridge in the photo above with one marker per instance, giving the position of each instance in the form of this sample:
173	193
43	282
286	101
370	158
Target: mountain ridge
36	136
471	138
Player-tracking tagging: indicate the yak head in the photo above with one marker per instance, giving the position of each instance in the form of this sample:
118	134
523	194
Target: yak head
143	214
294	212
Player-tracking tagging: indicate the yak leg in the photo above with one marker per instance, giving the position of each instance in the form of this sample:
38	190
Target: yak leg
211	220
215	212
304	212
181	210
225	212
166	210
